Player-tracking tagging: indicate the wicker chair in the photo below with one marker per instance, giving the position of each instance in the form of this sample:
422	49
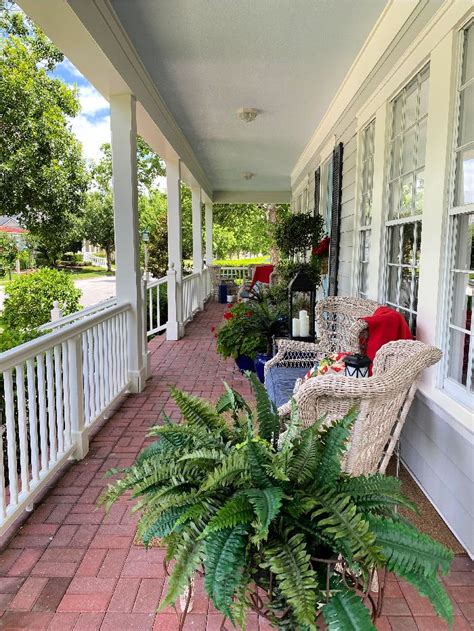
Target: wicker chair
215	274
339	329
383	401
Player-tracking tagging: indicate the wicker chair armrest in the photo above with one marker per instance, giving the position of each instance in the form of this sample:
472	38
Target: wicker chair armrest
294	353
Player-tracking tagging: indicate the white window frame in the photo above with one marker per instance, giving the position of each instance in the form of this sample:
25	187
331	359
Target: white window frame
364	230
454	389
415	219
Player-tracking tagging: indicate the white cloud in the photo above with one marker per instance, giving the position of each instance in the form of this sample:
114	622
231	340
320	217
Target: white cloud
91	101
92	134
69	68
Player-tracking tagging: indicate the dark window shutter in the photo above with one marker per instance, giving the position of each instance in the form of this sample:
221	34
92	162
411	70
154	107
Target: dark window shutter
336	218
317	190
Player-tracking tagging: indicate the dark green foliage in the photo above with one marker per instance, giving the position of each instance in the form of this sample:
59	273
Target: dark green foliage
346	612
227	492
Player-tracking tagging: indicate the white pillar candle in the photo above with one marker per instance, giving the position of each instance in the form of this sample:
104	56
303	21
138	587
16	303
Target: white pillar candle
295	327
304	327
303	314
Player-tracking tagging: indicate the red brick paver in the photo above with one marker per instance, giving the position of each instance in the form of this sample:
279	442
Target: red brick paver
70	567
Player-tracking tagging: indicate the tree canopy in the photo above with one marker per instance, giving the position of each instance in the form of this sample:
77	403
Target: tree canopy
41	166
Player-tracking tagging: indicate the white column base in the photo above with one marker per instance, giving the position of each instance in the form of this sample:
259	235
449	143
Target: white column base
174	331
137	380
81	440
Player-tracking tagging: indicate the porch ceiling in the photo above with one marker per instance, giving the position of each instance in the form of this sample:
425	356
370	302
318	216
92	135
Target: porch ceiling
208	58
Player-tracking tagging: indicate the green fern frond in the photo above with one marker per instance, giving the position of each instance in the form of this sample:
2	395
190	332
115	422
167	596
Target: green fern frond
334	443
375	492
231	467
346	612
231	401
267	414
204	456
406	549
257	458
235	511
199	413
434	591
163	525
289	561
188	557
185	436
306	455
266	504
339	519
223	564
292	429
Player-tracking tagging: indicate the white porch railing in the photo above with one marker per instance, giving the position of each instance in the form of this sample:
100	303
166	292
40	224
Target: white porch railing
78	315
155	322
191	296
235	273
93	259
54	389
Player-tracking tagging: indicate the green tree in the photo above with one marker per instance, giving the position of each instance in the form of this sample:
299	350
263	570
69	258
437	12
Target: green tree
8	253
98	223
41	167
30	297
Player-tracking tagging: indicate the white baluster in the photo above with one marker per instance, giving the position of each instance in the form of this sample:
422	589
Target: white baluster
96	373
66	392
58	387
51	408
80	437
100	376
11	437
90	404
43	423
32	419
22	429
2	478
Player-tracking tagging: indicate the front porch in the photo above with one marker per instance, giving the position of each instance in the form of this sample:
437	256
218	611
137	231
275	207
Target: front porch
71	567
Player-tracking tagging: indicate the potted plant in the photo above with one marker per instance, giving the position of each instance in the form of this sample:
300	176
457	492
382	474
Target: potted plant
238	338
271	520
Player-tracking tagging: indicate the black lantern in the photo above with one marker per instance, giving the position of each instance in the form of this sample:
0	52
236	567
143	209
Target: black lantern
357	365
301	299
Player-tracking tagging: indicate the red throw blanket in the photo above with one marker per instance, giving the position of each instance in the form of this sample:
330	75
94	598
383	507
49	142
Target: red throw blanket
386	325
262	274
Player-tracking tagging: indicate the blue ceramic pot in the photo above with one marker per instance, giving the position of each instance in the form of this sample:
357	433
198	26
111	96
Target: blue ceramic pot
260	362
244	362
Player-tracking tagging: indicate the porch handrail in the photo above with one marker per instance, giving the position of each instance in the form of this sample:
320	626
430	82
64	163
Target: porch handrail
78	315
55	388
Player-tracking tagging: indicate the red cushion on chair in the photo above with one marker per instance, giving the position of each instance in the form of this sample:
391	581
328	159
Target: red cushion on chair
385	325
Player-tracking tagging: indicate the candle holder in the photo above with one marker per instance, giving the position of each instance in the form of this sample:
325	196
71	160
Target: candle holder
357	365
301	302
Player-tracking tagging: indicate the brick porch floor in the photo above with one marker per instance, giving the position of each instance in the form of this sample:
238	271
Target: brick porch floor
71	567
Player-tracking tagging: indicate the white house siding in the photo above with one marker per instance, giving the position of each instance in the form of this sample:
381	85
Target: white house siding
438	441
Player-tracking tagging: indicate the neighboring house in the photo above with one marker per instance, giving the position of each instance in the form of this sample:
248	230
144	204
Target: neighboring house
406	223
9	225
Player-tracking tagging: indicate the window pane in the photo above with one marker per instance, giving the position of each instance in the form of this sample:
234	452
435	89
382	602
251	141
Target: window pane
408	244
410	104
395	158
424	94
394	199
465	177
408	152
392	285
406	206
419	192
405	288
468	56
366	216
466	116
397	115
418	232
363	278
421	150
464	255
394	244
458	356
462	301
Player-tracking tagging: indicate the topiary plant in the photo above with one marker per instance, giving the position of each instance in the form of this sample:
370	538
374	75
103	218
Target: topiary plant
264	514
30	297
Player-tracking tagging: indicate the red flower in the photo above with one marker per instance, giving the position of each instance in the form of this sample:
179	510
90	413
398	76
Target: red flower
228	315
230	305
213	328
322	249
249	314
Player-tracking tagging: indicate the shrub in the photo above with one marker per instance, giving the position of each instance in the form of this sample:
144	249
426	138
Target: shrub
30	297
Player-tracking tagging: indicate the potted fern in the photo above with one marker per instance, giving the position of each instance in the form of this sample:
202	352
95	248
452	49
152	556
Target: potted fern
271	520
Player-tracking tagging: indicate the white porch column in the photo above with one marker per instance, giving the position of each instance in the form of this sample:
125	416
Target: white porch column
197	239
175	327
208	221
127	248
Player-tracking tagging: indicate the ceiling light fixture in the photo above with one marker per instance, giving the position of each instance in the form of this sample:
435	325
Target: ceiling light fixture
248	176
248	114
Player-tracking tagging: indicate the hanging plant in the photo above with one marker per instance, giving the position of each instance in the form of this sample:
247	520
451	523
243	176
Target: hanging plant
297	234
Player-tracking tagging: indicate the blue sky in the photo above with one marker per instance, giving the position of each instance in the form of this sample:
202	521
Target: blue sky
92	125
